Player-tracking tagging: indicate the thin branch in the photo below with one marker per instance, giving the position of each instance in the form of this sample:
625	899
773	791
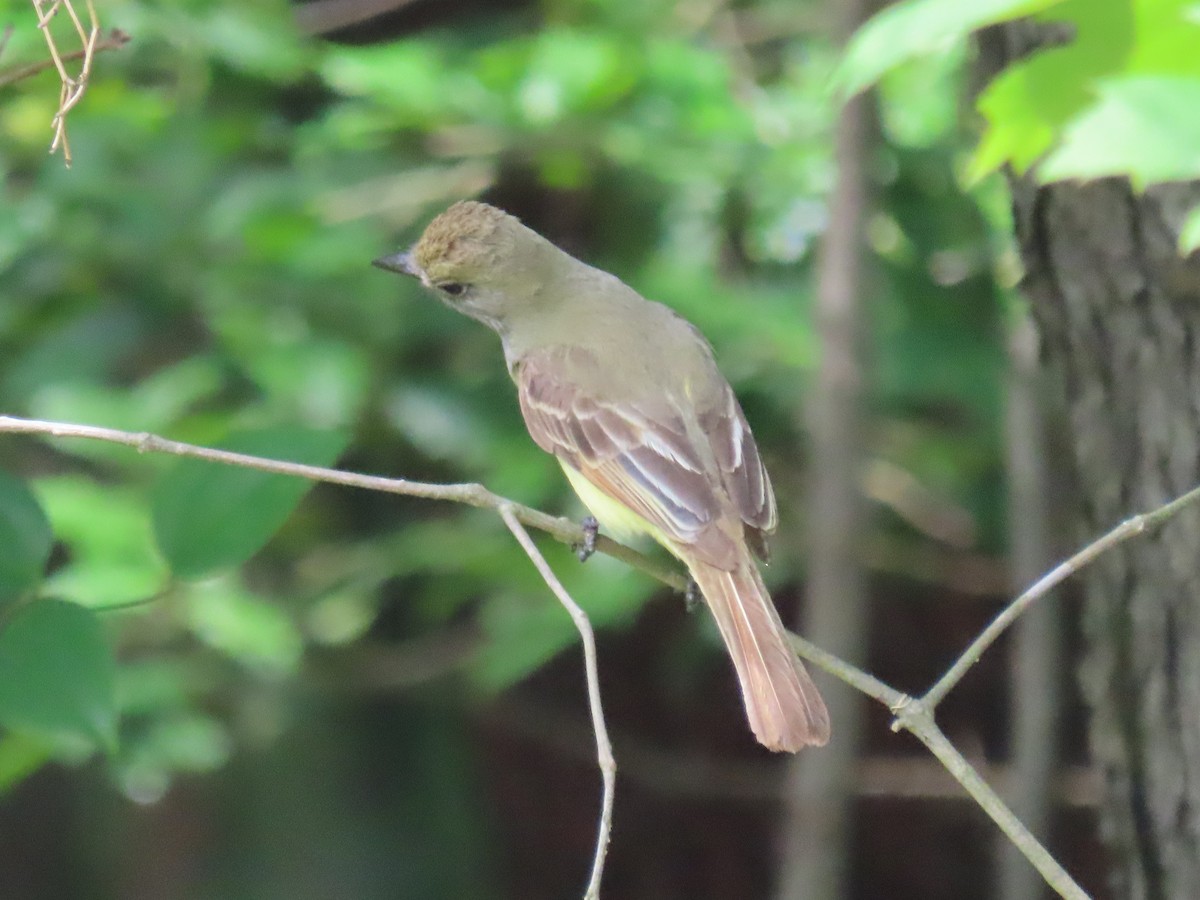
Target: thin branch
1131	527
325	16
114	40
604	754
852	675
917	718
477	495
72	88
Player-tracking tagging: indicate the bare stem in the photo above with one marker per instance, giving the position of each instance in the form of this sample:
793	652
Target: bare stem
1131	527
72	87
604	754
114	40
470	494
917	718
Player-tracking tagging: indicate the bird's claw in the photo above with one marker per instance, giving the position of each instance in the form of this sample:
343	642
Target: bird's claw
692	596
591	530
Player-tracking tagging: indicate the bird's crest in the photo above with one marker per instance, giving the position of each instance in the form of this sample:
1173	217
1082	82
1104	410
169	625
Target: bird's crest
463	234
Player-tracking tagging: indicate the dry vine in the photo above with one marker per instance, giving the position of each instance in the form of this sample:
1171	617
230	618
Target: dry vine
913	714
71	86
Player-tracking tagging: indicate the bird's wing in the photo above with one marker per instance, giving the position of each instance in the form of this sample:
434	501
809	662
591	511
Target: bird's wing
742	471
642	454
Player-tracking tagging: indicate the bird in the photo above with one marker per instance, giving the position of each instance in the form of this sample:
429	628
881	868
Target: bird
626	394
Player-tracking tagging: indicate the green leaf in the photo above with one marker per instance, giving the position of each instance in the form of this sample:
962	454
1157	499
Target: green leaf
57	674
1189	237
209	516
111	557
25	540
918	28
1168	33
225	615
1027	105
1145	127
20	756
572	72
177	742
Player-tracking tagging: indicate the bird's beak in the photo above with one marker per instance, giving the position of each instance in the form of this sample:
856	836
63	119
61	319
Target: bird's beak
401	262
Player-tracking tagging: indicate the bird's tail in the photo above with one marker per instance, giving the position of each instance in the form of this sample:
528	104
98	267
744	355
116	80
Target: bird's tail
783	706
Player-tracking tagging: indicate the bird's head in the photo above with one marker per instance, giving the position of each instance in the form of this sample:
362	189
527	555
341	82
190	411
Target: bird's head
479	260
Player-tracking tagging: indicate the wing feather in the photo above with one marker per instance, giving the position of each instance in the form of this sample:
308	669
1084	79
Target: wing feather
742	470
646	458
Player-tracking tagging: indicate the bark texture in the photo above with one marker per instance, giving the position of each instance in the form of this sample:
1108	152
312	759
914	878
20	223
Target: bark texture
1119	316
1118	311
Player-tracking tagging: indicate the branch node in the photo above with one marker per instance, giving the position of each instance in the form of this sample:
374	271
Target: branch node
904	709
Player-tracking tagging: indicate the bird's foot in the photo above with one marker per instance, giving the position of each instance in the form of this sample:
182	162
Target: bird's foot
692	597
591	530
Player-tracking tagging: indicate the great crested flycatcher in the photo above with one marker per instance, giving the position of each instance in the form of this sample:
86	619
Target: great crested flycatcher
626	395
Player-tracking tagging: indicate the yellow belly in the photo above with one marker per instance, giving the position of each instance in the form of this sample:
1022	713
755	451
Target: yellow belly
616	520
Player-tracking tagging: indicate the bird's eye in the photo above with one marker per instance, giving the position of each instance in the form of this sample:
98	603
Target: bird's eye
452	288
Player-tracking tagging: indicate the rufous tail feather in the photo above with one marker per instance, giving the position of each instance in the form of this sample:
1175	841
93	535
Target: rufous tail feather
783	706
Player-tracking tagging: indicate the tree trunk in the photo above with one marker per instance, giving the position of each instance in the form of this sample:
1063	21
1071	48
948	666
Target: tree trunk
1119	315
820	783
1118	311
1037	646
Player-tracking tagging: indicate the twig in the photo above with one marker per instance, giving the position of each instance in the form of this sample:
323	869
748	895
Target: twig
325	16
477	495
114	40
604	754
71	91
917	718
1131	527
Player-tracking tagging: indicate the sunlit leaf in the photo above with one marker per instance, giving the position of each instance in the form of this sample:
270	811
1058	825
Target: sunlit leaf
1168	33
225	615
1027	104
916	28
111	558
1143	127
1189	237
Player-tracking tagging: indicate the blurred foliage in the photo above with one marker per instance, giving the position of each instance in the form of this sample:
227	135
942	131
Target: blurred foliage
202	271
1117	98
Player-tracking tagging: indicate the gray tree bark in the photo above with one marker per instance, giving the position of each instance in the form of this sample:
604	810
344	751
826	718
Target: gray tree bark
1119	315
